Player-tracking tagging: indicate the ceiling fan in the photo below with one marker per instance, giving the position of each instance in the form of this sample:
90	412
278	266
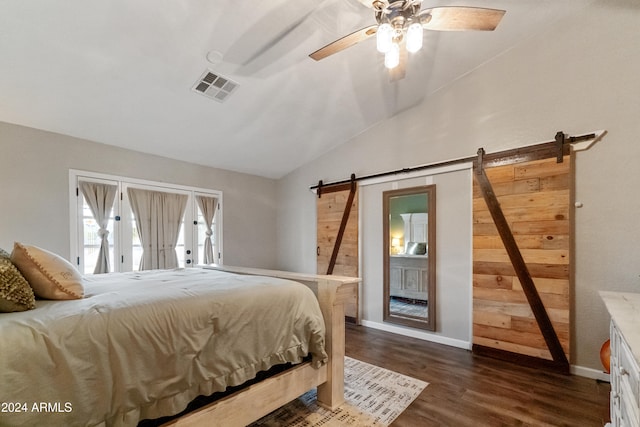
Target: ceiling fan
400	25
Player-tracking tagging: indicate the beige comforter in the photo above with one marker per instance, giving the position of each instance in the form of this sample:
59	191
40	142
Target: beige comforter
142	345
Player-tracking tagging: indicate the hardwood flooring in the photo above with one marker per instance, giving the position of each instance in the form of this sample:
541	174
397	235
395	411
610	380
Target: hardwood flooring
469	390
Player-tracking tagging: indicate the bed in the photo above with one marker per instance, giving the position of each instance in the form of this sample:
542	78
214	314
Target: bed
143	345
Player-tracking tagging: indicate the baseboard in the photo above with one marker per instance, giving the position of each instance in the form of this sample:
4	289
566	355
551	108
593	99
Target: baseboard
414	333
590	373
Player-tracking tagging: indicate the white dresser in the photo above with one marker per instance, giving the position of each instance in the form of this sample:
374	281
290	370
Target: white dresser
625	357
409	276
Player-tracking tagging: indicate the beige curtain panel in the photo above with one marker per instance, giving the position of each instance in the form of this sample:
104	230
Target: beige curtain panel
100	199
158	219
208	206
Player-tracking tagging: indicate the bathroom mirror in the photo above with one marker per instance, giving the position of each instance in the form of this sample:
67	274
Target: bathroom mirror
409	227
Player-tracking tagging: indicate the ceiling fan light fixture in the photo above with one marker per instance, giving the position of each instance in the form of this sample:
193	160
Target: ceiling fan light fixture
414	37
384	37
392	57
401	24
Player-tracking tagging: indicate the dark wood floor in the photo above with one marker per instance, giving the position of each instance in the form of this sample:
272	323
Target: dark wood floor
468	390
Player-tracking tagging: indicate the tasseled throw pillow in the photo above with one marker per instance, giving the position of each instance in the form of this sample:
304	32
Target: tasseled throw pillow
50	275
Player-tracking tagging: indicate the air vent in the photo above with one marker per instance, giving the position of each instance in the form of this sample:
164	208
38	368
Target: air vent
214	86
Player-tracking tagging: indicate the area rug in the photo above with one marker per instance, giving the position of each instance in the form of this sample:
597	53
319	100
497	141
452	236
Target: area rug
374	397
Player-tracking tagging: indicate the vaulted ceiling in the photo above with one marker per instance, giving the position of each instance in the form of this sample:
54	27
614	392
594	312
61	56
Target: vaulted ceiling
121	72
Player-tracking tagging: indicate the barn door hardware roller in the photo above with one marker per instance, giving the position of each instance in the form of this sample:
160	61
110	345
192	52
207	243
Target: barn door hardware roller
561	139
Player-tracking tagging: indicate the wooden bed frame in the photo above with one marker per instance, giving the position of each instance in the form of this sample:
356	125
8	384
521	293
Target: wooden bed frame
258	400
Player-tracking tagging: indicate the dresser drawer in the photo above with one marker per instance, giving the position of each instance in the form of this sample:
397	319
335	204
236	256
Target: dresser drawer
629	399
629	373
629	416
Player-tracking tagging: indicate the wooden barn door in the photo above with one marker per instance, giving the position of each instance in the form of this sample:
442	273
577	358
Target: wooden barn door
337	236
521	258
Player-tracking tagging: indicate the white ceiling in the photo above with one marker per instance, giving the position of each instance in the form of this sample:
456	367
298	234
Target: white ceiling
120	72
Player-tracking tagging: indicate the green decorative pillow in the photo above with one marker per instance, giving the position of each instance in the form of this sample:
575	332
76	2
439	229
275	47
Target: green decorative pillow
15	292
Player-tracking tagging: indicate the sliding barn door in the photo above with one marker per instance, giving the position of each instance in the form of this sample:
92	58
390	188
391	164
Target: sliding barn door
337	236
522	260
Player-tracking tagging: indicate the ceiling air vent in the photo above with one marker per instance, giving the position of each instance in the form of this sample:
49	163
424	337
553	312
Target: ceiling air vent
214	86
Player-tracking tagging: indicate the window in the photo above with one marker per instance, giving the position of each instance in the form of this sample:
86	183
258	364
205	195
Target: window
124	246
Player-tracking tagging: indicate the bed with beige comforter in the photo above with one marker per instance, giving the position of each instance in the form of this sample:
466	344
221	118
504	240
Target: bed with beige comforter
143	345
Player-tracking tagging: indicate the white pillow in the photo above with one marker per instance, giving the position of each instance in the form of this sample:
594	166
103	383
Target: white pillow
50	275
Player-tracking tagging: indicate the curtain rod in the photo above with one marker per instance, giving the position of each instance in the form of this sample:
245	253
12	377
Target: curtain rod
595	136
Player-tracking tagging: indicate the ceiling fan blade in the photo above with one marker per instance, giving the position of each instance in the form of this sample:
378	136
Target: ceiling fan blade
460	18
344	42
367	3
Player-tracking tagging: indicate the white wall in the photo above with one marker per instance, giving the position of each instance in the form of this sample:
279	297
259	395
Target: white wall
453	242
579	75
34	192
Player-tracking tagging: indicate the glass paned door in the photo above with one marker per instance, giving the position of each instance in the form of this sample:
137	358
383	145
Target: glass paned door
91	240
